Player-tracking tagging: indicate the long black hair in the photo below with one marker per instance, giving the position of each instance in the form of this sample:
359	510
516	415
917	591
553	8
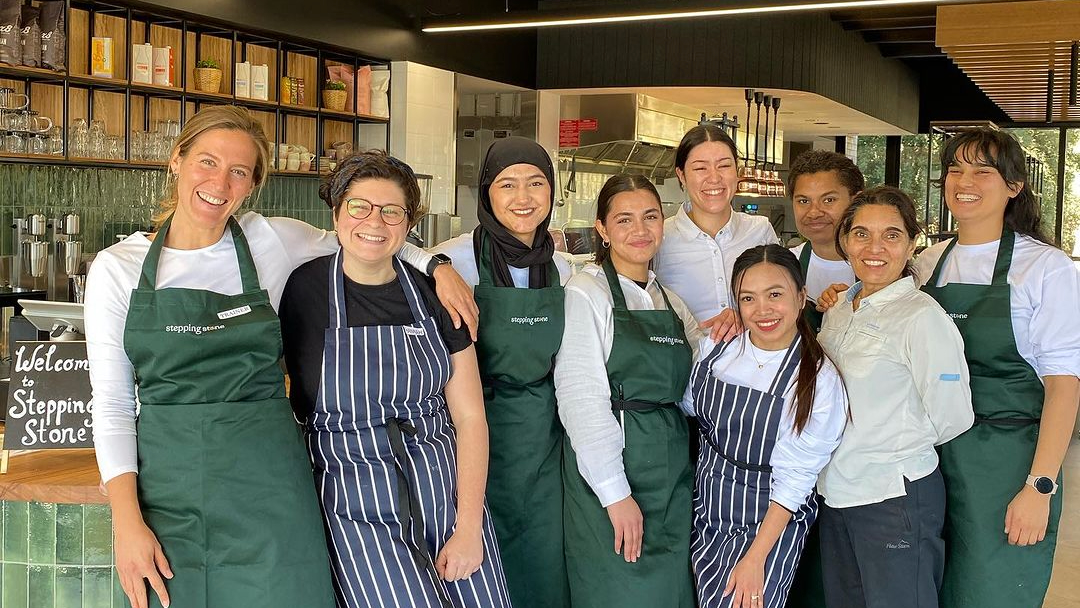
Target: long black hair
616	184
811	355
889	196
699	135
1000	150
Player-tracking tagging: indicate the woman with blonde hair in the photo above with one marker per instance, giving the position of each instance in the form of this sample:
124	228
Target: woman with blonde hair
211	487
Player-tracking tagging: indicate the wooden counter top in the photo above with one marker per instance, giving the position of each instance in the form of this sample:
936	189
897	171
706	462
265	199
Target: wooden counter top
56	476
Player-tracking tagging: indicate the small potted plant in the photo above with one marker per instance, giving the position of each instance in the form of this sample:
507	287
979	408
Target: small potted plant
208	76
333	95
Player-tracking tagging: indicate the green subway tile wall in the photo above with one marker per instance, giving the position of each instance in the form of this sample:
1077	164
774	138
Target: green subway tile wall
120	201
57	556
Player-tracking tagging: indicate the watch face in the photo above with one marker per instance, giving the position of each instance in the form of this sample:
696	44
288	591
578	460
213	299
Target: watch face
1044	485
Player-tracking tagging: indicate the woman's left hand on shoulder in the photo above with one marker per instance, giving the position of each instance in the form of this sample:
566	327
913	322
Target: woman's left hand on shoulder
1026	517
456	297
747	582
461	556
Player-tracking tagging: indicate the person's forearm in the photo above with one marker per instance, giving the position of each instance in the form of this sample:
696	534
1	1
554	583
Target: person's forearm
776	519
1056	429
124	499
472	463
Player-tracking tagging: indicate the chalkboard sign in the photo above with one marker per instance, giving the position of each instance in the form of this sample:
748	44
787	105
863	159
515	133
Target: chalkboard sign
49	401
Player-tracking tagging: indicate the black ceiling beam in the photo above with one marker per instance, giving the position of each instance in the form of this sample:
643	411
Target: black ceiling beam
885	12
889	23
900	36
910	50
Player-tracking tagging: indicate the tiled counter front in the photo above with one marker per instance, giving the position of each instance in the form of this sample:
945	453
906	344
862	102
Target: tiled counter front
57	556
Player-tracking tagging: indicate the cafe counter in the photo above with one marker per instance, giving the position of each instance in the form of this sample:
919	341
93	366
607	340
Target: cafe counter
56	531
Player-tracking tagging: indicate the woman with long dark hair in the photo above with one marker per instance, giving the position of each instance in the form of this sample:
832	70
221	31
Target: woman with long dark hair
772	409
1014	299
907	382
623	366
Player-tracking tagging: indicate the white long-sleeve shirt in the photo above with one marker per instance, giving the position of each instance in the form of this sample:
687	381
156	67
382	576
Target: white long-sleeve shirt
278	245
797	458
1045	298
903	363
581	382
460	251
698	267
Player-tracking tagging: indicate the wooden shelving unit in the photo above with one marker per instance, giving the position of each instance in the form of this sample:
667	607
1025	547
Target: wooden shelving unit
126	106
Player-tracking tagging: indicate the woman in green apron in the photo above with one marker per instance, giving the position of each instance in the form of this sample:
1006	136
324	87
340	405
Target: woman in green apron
223	505
511	260
622	368
1014	299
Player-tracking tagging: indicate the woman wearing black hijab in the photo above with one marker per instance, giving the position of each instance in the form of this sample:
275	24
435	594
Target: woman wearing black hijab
510	259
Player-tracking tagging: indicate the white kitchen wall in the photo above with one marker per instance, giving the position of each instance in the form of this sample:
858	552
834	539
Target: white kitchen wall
422	104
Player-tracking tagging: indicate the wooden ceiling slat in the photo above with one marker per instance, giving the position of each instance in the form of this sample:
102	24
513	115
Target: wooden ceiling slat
1007	22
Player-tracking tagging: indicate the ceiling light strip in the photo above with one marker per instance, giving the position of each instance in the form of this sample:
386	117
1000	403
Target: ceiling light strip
725	12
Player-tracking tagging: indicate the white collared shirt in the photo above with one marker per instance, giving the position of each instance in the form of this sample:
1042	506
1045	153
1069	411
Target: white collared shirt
463	257
698	267
1045	302
821	273
581	381
902	360
796	458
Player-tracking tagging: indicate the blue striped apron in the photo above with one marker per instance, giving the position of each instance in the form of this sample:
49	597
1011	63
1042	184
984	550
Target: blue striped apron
733	480
383	449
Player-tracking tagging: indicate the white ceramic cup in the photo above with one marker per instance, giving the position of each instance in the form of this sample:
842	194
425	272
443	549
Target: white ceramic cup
293	162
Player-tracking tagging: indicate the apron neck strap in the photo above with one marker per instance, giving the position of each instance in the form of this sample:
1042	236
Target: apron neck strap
1004	257
787	367
618	299
804	258
249	275
1001	263
338	315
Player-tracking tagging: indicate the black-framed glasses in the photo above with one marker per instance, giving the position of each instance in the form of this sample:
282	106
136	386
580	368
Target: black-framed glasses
391	214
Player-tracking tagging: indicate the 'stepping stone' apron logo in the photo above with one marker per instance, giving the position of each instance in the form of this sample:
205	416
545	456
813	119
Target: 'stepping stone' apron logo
528	320
236	312
958	315
667	340
198	330
415	331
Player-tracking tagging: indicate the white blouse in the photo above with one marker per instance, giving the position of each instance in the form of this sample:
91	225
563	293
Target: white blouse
581	382
278	245
1045	297
797	458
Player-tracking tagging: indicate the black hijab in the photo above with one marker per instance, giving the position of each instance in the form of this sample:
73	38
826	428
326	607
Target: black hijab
505	248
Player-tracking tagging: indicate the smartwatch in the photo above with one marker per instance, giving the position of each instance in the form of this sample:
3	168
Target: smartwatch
437	260
1042	485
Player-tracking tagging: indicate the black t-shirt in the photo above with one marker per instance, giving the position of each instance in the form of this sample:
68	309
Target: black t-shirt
305	316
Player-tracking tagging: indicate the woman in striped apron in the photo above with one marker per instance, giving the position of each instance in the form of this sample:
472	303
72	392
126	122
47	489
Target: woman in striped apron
386	389
771	408
623	366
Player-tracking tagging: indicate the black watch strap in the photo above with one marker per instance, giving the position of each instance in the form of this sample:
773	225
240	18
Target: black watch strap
437	260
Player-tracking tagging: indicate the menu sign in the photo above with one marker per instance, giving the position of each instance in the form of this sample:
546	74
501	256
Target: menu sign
49	401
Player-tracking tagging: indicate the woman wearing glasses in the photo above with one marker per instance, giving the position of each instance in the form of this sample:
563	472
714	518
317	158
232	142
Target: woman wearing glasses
385	387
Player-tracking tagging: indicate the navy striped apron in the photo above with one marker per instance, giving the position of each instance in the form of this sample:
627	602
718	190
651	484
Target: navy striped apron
382	445
733	480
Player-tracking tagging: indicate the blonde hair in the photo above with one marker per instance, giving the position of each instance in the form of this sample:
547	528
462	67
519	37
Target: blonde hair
232	118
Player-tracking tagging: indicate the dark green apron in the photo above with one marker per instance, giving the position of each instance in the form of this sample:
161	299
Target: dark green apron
224	479
810	312
987	466
808	588
648	369
520	332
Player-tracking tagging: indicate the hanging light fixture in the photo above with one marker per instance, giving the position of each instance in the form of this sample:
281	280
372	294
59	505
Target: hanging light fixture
746	173
781	189
766	185
759	175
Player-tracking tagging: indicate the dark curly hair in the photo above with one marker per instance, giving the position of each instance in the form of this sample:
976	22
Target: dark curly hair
817	161
373	164
888	196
